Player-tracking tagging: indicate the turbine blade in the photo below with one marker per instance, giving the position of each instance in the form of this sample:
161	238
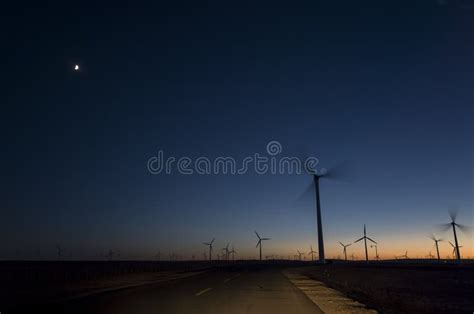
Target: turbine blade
307	198
343	171
341	243
443	227
464	228
359	240
453	212
258	243
212	241
258	236
349	244
266	239
433	237
371	240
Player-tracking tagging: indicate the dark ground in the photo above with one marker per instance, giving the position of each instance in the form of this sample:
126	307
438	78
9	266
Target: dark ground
386	287
406	288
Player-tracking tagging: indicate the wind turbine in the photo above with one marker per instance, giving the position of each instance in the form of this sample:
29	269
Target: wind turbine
436	243
299	254
210	248
226	249
365	238
453	213
376	251
333	173
345	247
312	253
455	252
233	253
259	243
110	255
60	251
406	255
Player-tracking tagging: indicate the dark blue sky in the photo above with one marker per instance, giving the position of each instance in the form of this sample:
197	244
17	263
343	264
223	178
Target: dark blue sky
386	86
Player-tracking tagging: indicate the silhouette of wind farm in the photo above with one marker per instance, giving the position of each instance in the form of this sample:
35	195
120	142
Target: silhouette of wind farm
153	153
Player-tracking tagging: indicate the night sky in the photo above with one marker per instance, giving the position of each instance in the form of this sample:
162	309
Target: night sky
386	87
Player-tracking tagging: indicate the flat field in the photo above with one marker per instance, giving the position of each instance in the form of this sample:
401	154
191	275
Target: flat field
402	287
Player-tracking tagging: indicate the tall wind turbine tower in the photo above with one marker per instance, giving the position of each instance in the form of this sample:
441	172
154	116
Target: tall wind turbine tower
333	173
454	225
316	178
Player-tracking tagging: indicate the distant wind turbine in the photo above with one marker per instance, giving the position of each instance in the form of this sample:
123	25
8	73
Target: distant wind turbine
376	251
401	256
345	249
406	255
455	249
365	238
259	243
233	253
210	248
110	255
226	251
312	253
433	237
299	254
59	251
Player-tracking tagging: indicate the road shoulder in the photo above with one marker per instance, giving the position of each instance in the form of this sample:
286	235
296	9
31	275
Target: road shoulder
327	299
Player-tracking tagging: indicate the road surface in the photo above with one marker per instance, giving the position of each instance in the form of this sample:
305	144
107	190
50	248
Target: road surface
238	290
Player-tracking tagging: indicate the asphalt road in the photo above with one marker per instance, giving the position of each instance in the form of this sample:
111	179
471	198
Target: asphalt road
244	290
